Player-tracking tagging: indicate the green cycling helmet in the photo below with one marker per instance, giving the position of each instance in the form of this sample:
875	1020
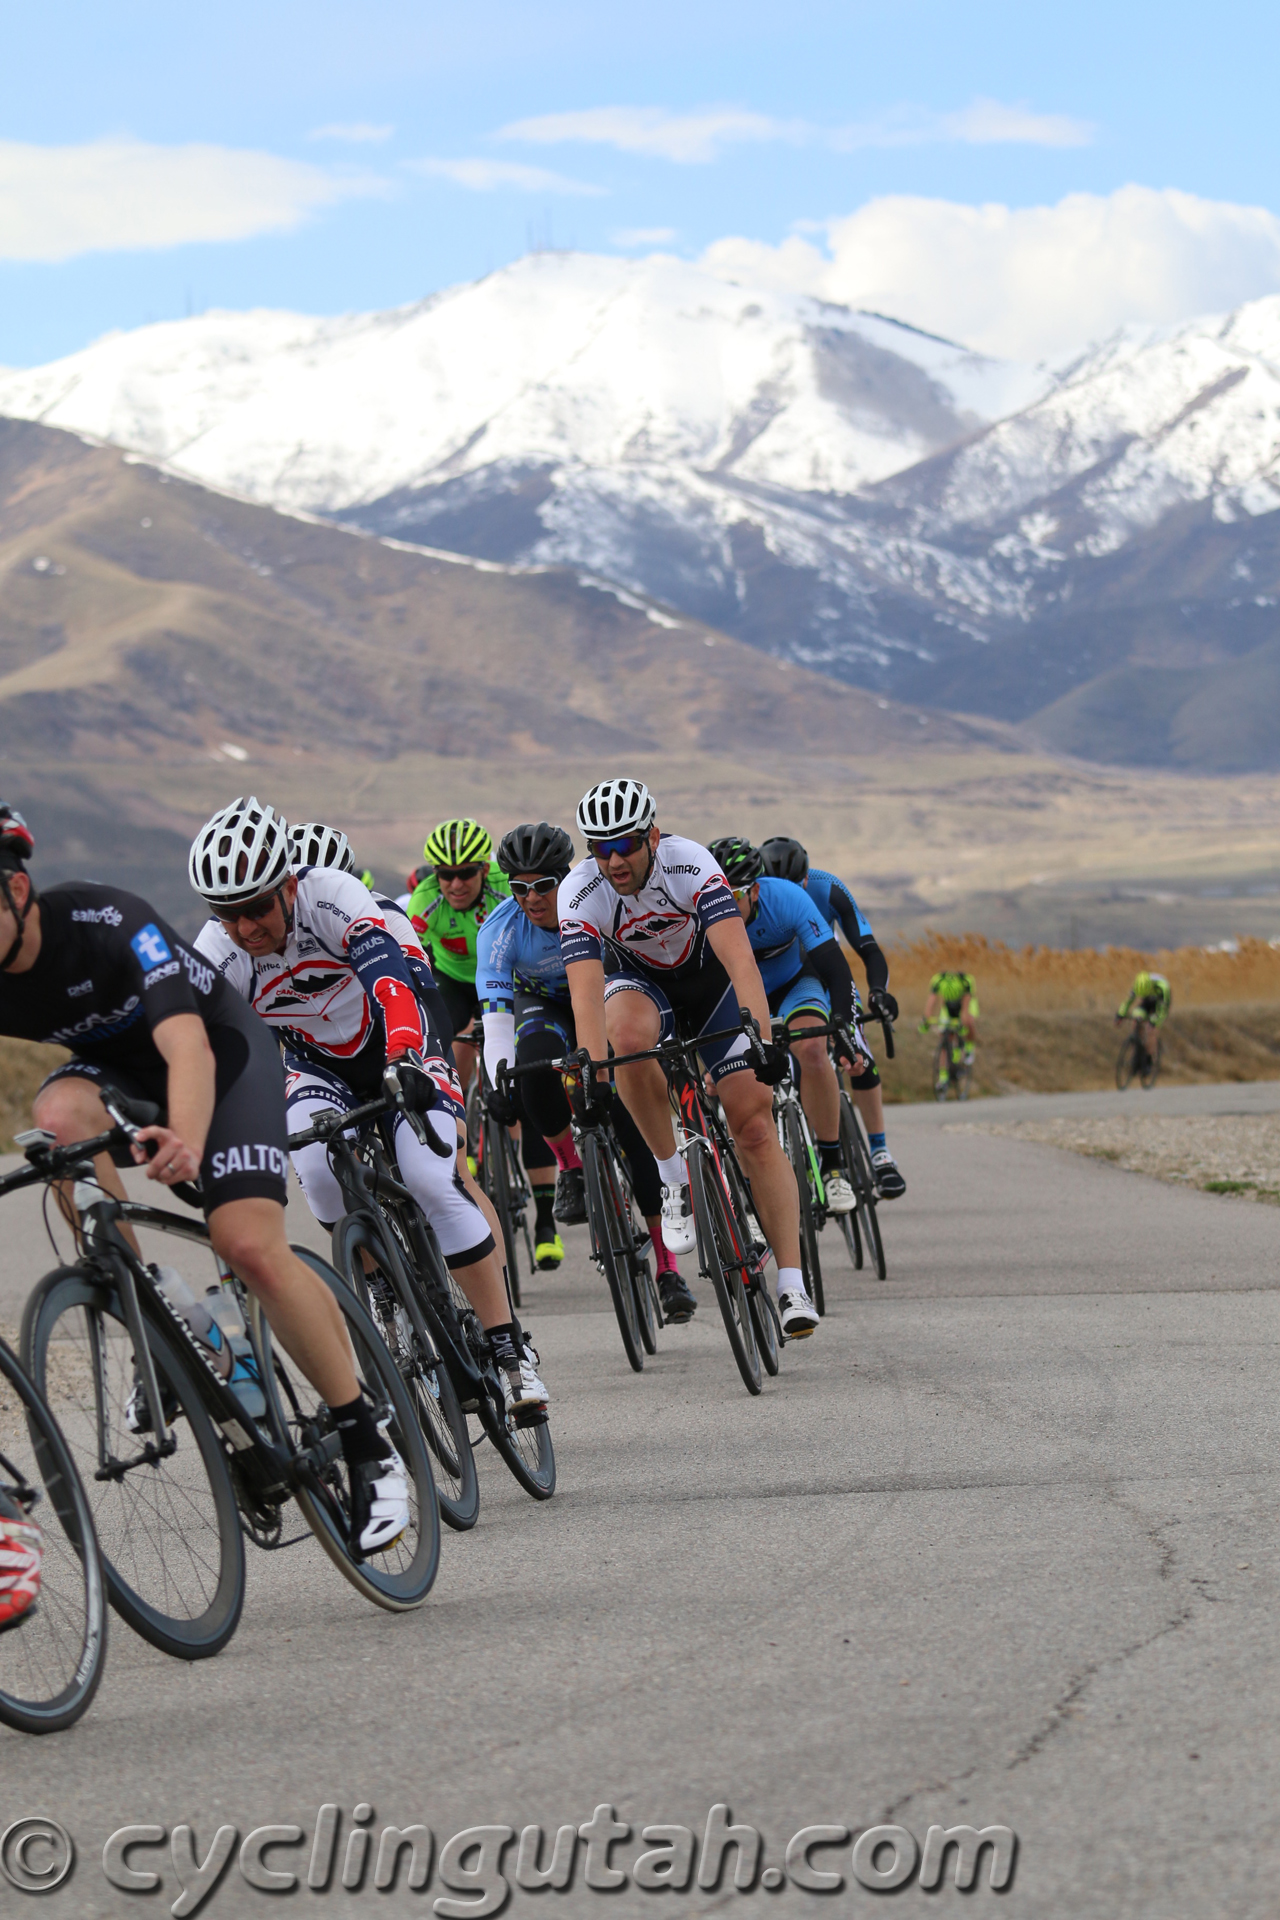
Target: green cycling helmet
1144	983
740	861
458	843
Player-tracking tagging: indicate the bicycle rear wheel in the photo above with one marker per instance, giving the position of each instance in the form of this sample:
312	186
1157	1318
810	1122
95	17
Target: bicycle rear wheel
797	1152
853	1151
609	1216
721	1259
501	1180
51	1660
400	1576
388	1297
1151	1066
942	1070
168	1528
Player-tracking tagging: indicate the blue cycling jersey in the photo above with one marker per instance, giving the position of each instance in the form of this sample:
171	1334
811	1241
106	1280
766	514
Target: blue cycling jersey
837	906
513	955
784	927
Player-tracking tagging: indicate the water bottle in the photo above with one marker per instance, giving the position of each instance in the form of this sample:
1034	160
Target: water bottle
224	1310
237	1368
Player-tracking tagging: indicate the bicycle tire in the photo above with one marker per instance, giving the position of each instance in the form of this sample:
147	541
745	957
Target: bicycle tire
797	1153
942	1070
852	1237
853	1151
611	1241
52	1660
648	1304
496	1175
718	1253
764	1315
408	1340
79	1353
400	1577
1126	1061
1151	1069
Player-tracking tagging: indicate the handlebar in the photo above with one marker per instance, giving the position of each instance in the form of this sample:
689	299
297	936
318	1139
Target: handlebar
47	1161
841	1030
324	1126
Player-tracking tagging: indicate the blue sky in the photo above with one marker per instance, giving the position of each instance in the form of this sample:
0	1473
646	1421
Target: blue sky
159	159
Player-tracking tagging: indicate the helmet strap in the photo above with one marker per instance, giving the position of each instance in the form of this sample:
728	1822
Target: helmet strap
20	915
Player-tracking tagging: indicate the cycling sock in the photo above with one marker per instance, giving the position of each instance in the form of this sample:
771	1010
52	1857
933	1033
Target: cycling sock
673	1172
829	1155
790	1280
544	1199
566	1154
360	1437
876	1142
664	1261
503	1342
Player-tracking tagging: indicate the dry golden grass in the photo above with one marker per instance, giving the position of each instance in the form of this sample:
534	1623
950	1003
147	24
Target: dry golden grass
22	1067
1056	980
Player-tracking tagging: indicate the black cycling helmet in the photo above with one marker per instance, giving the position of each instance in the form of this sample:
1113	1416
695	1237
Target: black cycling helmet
785	859
536	849
739	860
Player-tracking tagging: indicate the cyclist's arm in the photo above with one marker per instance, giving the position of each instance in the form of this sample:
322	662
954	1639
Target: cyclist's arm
184	1047
871	954
730	944
379	964
832	969
586	991
933	1006
1126	1006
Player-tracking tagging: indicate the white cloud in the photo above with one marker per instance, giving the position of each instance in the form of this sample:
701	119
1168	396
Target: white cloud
486	176
643	236
356	133
1031	283
111	195
699	136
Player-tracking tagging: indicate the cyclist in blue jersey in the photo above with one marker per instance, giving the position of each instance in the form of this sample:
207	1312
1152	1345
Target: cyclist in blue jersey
528	1017
787	859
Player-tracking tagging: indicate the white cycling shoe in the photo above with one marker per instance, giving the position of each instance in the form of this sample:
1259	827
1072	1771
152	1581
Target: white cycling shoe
379	1502
798	1315
523	1393
840	1195
678	1230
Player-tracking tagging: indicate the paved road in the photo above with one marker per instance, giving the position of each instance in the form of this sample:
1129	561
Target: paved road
999	1545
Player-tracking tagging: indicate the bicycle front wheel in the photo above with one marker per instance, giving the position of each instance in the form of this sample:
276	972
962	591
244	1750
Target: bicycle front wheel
722	1260
1151	1066
168	1527
942	1071
797	1152
500	1180
400	1576
853	1152
51	1660
612	1240
1127	1061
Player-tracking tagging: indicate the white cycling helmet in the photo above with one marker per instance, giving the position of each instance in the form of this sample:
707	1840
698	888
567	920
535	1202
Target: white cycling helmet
242	853
615	806
315	845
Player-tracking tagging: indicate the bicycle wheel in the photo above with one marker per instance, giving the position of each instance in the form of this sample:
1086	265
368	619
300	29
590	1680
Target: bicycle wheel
499	1148
853	1152
1127	1061
648	1305
721	1259
942	1070
612	1243
169	1529
382	1284
797	1152
400	1576
1151	1066
51	1661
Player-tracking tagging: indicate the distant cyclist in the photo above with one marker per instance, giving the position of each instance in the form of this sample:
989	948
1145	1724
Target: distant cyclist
953	993
788	860
528	1017
1149	1000
448	907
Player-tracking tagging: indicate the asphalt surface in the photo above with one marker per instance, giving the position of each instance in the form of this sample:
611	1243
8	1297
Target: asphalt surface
998	1546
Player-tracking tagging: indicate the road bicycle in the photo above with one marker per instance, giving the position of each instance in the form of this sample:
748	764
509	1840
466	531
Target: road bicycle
388	1252
952	1067
619	1241
178	1469
732	1251
1137	1059
861	1227
51	1659
795	1137
501	1174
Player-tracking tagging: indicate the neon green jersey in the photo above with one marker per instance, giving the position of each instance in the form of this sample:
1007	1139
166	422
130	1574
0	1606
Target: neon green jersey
1153	1005
449	933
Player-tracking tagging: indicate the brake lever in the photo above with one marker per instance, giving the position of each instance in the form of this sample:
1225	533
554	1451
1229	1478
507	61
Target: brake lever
422	1133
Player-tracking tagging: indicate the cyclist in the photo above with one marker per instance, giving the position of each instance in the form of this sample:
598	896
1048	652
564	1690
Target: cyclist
788	860
21	1557
528	1017
807	978
313	954
447	908
1148	1002
95	969
953	999
659	908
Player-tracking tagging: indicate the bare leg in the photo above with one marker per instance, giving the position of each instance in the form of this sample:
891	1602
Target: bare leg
305	1317
748	1108
819	1089
72	1110
633	1023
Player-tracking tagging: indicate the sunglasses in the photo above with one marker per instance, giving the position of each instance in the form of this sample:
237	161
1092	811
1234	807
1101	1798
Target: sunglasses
547	884
251	910
624	846
457	873
740	893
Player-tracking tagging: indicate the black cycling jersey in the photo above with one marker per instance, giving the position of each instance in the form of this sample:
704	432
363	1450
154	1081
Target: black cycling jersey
108	972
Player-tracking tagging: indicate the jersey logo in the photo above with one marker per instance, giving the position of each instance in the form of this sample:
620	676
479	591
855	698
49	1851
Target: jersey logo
85	986
455	944
99	916
149	945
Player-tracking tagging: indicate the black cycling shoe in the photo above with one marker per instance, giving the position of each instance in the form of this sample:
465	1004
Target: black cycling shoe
571	1196
890	1184
137	1412
678	1304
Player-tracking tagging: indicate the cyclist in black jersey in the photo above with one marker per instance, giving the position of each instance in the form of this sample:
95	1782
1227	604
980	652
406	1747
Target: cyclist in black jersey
96	970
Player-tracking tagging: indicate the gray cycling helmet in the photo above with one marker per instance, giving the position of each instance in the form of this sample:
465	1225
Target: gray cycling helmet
536	849
239	855
785	859
315	845
615	806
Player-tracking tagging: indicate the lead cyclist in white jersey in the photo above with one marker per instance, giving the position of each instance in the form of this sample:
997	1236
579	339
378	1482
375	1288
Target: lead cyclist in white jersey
320	959
660	912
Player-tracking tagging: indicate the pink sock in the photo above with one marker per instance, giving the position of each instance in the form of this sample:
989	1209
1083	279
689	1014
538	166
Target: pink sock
664	1261
566	1154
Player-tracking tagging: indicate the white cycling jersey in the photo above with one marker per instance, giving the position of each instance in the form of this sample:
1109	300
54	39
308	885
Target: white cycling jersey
661	931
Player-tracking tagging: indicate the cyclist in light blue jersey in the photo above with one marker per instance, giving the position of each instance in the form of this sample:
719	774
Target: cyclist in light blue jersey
788	860
528	1017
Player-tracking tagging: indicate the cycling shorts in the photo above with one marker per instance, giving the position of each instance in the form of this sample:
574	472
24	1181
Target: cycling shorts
693	1013
534	1013
245	1152
805	994
461	1002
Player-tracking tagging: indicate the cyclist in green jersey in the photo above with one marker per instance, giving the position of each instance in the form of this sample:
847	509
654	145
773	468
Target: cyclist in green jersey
956	993
447	908
1149	1000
